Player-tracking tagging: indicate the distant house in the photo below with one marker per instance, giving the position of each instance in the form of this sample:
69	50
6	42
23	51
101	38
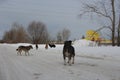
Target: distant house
95	36
92	35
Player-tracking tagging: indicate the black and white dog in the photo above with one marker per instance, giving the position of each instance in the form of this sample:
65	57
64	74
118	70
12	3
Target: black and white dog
68	51
52	45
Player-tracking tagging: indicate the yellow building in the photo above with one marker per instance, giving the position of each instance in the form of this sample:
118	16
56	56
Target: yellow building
91	34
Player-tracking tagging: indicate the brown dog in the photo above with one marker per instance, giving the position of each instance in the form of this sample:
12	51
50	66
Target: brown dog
24	48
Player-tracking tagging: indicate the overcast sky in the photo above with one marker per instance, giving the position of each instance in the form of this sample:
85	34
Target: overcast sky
56	14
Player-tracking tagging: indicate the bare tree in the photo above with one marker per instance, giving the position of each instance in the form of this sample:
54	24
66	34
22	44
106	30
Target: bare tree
59	37
118	29
38	32
15	34
106	10
20	33
7	37
118	38
65	34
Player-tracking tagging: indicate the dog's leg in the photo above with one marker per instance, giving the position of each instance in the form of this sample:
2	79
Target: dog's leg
64	59
73	60
25	53
17	53
69	60
20	53
28	54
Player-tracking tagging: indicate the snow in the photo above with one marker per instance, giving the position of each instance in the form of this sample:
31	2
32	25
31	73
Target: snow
91	63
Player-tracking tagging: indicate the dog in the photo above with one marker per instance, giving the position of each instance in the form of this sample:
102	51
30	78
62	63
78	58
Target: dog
36	45
46	46
24	48
69	52
52	45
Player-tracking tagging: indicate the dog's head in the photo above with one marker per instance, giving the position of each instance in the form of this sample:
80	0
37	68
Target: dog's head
68	43
16	49
30	46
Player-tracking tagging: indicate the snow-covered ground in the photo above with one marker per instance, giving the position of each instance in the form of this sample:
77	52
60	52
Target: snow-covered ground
91	63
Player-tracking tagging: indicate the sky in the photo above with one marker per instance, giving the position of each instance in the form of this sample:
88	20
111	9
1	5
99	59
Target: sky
55	14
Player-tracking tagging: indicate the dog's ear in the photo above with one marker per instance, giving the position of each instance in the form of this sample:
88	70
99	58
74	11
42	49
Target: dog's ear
64	42
70	42
31	46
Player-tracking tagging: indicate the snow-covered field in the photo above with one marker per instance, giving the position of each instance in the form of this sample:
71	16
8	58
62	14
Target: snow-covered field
91	63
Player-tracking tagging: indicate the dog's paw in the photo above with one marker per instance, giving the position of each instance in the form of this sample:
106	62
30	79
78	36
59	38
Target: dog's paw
64	63
70	64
